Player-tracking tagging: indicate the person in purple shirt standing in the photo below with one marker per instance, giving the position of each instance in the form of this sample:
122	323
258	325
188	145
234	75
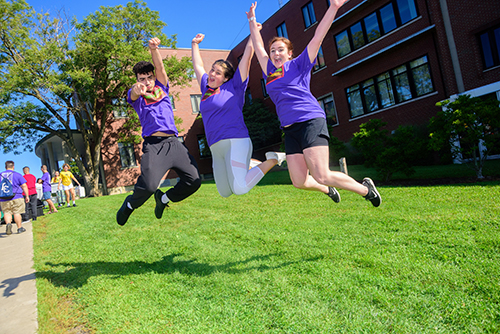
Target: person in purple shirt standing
301	117
16	205
47	189
161	148
223	91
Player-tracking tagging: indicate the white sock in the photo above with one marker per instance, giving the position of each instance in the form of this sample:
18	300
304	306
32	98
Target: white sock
164	199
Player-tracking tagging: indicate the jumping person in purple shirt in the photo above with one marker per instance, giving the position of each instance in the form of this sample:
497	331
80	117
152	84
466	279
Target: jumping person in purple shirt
161	148
301	117
221	106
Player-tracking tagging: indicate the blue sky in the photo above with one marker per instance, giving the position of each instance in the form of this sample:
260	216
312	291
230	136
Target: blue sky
223	22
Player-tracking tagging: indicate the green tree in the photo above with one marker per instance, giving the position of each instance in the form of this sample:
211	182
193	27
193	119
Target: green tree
58	75
390	153
263	126
470	126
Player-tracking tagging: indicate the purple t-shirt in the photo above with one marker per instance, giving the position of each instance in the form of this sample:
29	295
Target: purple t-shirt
288	87
16	179
46	182
155	112
221	109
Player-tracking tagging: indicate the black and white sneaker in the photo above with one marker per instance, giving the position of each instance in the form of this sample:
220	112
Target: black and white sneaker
373	195
21	230
160	206
333	194
123	213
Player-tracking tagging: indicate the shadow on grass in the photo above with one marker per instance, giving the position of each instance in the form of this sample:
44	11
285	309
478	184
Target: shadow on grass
78	274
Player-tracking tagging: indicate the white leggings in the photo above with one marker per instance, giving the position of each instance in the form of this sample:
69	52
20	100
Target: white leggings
231	160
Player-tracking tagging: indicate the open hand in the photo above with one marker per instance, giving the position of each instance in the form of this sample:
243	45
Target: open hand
251	12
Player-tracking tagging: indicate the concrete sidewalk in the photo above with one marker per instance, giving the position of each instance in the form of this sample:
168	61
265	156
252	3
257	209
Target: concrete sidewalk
18	295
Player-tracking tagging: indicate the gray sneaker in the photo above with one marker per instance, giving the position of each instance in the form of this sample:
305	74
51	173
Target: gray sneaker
8	229
333	194
21	230
373	195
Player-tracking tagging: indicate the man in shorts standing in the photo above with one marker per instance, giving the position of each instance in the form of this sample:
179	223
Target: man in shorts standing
16	205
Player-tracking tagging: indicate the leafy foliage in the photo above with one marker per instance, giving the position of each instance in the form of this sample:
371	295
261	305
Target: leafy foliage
263	126
470	126
59	75
388	154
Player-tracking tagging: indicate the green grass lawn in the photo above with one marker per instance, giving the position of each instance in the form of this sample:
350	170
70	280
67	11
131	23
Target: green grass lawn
277	260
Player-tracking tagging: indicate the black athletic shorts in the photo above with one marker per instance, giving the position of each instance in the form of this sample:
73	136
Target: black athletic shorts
300	136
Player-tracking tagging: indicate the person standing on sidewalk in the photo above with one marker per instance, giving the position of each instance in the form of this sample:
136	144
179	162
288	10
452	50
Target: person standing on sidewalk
161	148
31	184
16	205
47	189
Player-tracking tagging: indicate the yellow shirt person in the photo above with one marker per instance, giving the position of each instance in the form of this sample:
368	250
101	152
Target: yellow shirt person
67	185
66	177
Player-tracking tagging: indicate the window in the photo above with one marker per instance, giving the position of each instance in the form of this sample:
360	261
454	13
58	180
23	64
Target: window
119	108
421	76
354	100
490	46
308	14
407	10
372	27
203	147
195	103
264	90
370	96
329	108
281	30
127	155
343	45
386	92
388	18
320	60
358	39
172	102
400	84
376	24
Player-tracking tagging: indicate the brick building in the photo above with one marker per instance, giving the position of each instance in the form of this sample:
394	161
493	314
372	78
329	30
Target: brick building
391	59
386	59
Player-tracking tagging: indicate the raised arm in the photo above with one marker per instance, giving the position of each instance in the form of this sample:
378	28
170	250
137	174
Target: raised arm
258	43
161	74
322	29
199	68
